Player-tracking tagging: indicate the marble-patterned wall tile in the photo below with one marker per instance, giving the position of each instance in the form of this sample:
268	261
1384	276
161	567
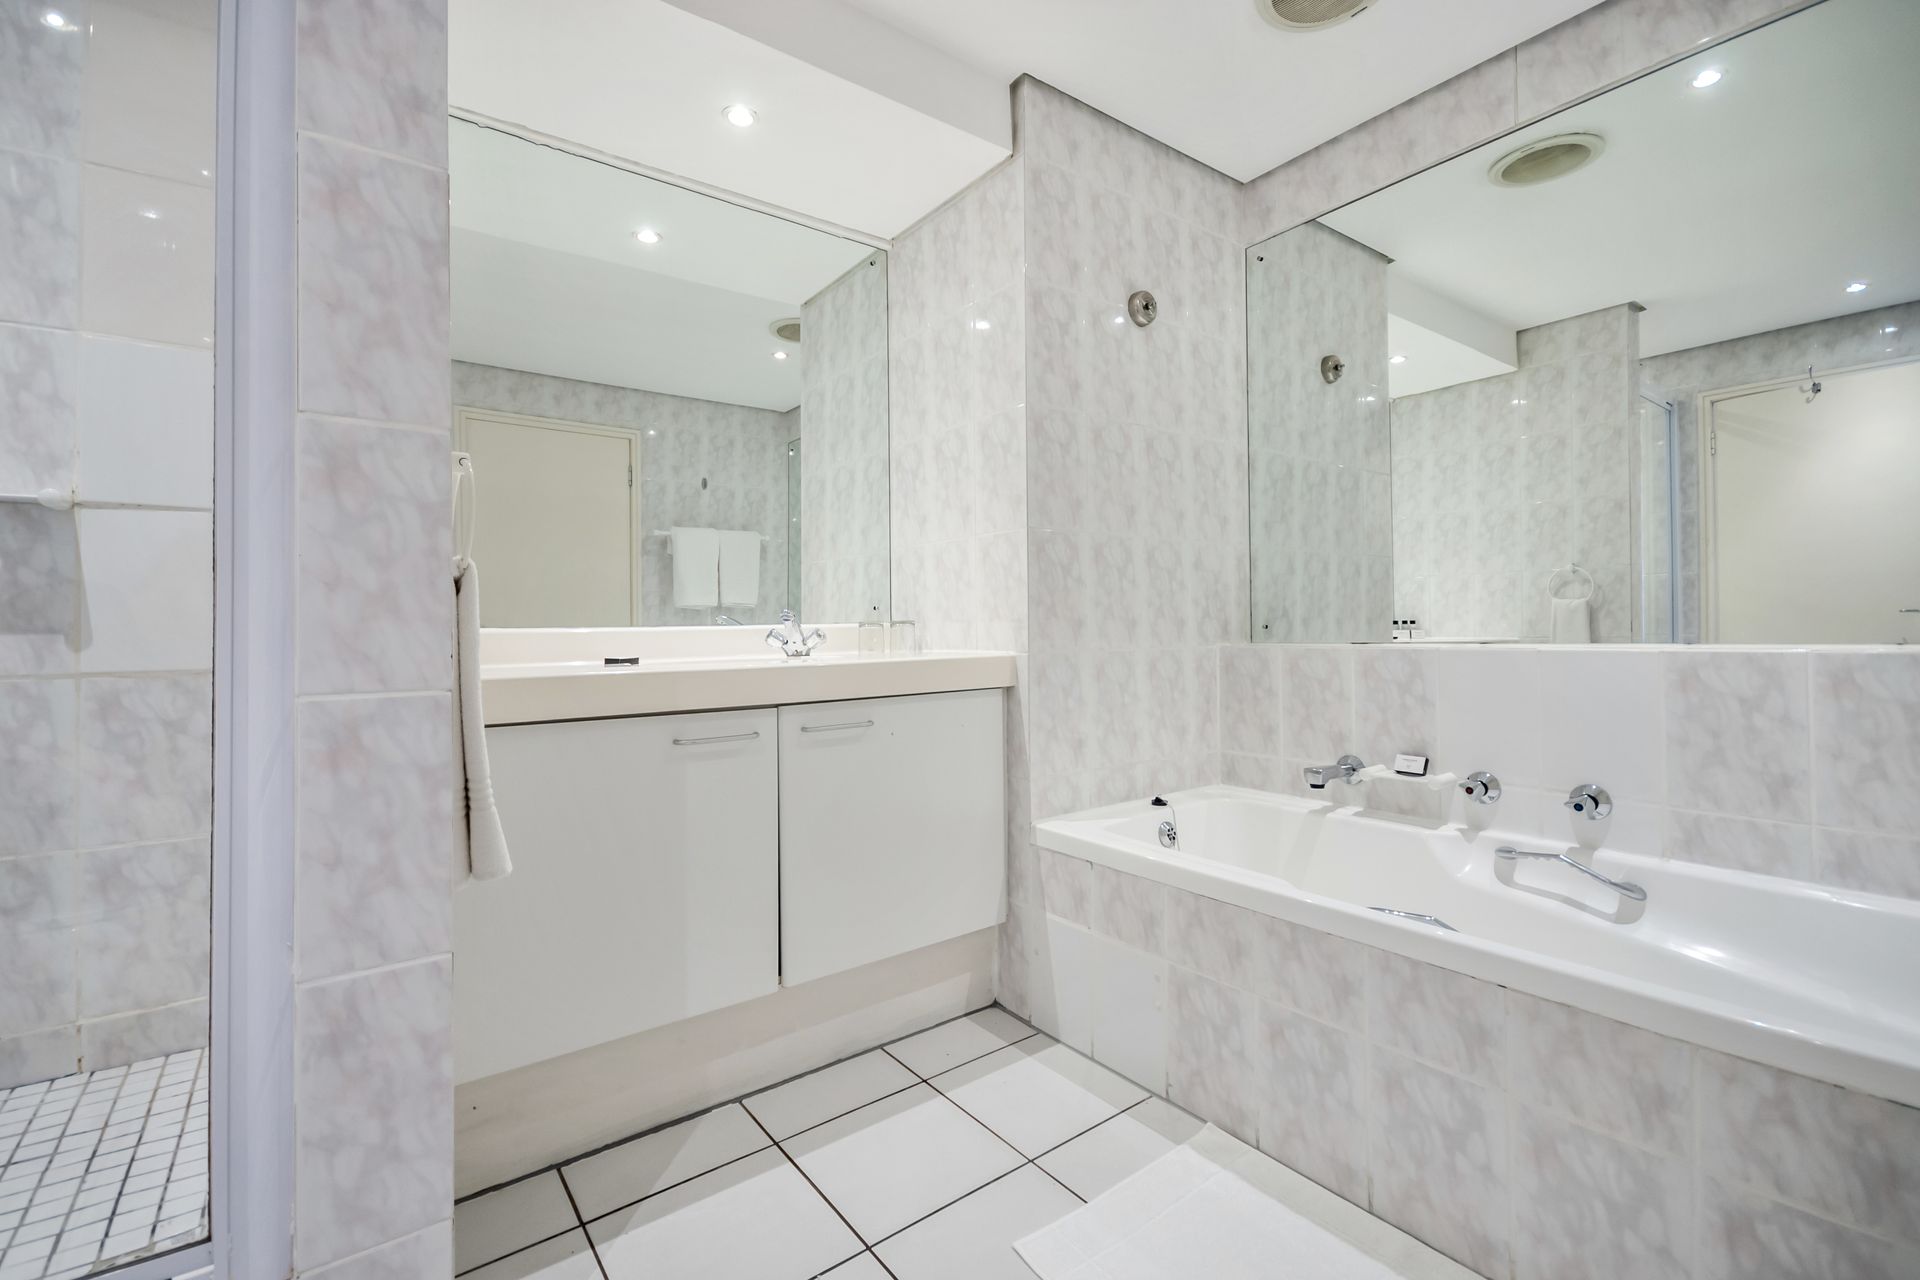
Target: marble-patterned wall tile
1473	106
1319	974
141	926
373	1109
1394	703
1866	731
371	828
425	1253
375	543
1614	40
1866	860
39	240
1250	714
1587	1207
37	737
1748	1237
1757	700
373	308
39	1055
40	624
374	72
39	392
1846	1155
1605	1074
1214	939
1213	1066
145	1033
1741	844
42	74
1313	1117
1437	1156
37	948
1066	885
1444	1018
1317	702
1129	908
144	763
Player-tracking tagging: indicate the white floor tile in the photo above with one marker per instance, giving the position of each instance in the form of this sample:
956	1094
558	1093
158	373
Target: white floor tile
973	1240
800	1104
1038	1093
500	1222
621	1175
899	1159
754	1219
1098	1160
863	1267
952	1043
568	1257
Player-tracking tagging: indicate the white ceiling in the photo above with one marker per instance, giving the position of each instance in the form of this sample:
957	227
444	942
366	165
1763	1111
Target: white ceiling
1211	77
548	278
1726	211
646	80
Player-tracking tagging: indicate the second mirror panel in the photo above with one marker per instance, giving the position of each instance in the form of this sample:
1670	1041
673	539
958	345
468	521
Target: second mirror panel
636	368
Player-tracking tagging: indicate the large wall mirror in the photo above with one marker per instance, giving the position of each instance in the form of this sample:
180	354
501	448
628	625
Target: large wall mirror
1641	371
674	408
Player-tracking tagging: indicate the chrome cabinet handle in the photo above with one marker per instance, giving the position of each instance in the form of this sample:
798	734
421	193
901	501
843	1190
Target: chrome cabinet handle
834	728
748	736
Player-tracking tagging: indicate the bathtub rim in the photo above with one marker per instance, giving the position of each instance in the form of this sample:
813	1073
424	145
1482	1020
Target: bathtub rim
1836	1058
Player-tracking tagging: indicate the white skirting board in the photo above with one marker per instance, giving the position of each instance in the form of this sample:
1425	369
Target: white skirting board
1216	1207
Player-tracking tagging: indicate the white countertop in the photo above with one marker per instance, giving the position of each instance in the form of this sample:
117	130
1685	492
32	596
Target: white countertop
586	688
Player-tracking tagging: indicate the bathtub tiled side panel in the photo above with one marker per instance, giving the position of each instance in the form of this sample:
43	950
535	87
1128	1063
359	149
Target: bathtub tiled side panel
1522	1137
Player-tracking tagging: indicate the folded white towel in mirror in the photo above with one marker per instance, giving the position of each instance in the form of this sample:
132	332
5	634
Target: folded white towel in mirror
739	567
1572	621
696	567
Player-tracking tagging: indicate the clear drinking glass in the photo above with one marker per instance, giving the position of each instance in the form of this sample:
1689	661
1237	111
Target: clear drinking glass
903	637
873	639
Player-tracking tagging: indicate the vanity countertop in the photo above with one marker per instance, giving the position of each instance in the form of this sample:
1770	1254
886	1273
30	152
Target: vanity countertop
531	692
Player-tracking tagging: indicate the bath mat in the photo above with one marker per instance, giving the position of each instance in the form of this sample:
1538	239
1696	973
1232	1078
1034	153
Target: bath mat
1216	1207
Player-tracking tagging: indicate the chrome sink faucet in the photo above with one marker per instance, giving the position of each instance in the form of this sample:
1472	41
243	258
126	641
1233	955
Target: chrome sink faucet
1346	769
791	639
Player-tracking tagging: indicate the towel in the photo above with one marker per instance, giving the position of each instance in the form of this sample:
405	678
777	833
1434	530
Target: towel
479	844
1572	622
739	567
696	568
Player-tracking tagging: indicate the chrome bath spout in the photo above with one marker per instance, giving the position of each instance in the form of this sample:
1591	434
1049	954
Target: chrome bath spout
1625	889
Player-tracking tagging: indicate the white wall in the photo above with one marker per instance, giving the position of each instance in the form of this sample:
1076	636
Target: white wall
843	473
106	611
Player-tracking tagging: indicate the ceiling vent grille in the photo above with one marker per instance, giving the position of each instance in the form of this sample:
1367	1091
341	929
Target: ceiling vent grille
1547	159
787	330
1309	15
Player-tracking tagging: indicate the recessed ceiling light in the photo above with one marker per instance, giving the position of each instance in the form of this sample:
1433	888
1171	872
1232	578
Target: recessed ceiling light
1858	286
983	324
1707	78
1546	159
647	235
779	355
739	115
1396	359
150	214
57	20
1892	328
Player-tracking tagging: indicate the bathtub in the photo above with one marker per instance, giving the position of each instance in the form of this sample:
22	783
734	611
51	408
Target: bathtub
1822	982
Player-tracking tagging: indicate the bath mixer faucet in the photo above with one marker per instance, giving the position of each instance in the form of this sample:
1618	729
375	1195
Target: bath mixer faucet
1346	769
791	640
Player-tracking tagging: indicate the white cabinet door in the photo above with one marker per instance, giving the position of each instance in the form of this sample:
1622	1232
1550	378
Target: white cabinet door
644	886
892	827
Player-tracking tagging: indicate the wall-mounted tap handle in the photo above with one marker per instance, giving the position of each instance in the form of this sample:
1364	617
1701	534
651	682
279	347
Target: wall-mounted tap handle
1481	788
1590	801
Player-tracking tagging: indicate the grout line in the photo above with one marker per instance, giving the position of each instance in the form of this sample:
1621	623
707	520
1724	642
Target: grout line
592	1248
517	1250
866	1246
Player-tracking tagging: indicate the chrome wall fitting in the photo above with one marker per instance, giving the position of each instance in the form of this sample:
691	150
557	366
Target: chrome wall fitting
1481	788
1331	367
1141	307
1590	801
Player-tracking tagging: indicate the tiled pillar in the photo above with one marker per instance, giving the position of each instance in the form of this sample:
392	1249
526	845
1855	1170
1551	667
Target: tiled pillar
373	1086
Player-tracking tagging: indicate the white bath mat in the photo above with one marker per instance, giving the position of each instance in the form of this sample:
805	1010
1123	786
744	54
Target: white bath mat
1216	1207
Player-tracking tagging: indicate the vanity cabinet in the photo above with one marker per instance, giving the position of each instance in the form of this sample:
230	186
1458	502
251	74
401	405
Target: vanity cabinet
644	886
892	827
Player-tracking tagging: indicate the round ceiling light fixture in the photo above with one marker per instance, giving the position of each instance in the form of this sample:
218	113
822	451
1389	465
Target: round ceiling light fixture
1857	286
1707	78
647	235
1546	159
787	330
739	115
1309	15
779	355
1396	359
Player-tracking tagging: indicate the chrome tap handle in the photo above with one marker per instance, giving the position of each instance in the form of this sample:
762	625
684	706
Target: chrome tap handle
1625	888
1590	801
1481	788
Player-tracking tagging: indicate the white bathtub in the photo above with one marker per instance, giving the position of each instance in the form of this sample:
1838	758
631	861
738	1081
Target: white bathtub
1821	982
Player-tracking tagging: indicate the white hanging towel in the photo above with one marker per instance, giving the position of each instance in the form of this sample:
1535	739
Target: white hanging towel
739	567
696	567
1572	621
479	844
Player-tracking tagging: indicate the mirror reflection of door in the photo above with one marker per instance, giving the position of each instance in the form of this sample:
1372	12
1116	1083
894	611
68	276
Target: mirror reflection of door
547	490
1814	536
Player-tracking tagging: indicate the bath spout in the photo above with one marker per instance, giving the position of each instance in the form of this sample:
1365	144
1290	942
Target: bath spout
1346	769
